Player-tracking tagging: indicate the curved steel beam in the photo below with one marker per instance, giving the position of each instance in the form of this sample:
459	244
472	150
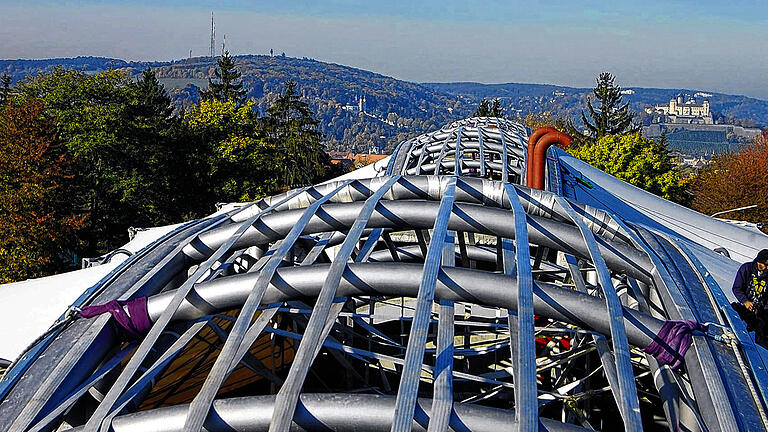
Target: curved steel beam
468	190
322	413
421	215
403	280
412	253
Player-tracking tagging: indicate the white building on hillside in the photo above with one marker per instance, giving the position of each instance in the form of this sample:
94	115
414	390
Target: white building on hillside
684	111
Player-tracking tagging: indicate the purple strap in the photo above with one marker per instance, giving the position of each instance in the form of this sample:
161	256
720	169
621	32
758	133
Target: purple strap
672	342
133	324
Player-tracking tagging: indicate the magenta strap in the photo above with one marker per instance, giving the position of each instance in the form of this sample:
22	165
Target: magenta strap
672	342
131	316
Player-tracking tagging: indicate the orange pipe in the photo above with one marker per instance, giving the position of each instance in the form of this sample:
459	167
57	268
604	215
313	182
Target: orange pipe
540	155
532	140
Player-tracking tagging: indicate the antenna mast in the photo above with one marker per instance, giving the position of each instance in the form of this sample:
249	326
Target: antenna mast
213	37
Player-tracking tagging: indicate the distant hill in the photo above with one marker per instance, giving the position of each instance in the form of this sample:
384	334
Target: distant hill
569	101
392	109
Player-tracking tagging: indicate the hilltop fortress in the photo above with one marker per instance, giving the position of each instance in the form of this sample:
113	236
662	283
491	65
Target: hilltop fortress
684	111
689	126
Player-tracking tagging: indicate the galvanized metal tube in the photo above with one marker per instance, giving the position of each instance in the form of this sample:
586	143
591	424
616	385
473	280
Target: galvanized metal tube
402	280
421	215
320	413
470	190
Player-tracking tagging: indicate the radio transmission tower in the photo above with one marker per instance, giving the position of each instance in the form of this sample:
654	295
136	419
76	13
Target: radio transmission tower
213	37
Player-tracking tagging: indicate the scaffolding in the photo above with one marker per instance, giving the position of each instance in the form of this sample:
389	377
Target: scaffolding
443	294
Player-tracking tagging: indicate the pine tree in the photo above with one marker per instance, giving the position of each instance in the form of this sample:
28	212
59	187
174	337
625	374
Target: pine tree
151	98
488	109
483	108
226	86
291	125
611	118
496	109
153	135
5	80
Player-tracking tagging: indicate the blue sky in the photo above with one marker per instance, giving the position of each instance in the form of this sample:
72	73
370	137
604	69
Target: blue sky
708	45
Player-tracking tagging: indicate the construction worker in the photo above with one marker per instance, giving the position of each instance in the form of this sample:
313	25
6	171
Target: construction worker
749	287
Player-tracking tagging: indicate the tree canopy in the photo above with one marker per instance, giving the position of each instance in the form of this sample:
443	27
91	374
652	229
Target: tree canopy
240	163
225	85
734	180
611	117
38	220
89	113
86	156
489	109
123	139
161	189
636	160
291	126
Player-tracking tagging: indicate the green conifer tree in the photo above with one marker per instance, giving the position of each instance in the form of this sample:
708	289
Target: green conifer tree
226	84
151	98
483	108
5	81
611	118
496	109
489	109
291	125
161	183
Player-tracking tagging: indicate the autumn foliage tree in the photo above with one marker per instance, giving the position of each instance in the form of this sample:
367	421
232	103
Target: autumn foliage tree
86	156
735	180
37	219
546	119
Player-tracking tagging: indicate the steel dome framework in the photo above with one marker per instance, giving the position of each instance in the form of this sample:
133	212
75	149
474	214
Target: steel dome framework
442	295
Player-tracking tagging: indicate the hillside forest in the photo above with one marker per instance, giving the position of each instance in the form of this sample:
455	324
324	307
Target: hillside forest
361	111
86	155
